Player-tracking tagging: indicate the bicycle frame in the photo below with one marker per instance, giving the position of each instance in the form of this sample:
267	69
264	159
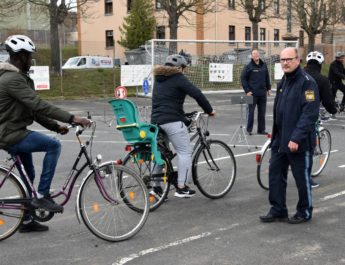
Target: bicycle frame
68	185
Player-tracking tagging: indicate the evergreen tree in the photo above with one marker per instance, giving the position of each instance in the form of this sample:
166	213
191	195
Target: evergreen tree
139	25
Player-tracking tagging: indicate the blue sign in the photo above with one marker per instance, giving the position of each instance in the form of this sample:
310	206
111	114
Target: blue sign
146	86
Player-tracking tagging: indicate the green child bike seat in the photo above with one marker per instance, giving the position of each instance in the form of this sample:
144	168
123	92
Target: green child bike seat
134	131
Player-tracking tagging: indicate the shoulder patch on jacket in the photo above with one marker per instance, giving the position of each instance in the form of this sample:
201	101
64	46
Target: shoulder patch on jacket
309	95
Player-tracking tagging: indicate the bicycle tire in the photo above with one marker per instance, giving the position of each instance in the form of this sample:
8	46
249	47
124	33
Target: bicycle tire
263	167
11	217
222	163
140	160
108	220
322	151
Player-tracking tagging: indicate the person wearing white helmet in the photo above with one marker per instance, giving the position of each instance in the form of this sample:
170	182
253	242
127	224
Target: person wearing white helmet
315	60
20	106
169	92
336	75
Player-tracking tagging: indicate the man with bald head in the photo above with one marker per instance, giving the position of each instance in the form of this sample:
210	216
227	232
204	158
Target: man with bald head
295	112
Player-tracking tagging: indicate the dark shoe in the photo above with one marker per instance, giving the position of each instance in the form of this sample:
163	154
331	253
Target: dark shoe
297	219
249	133
314	184
186	192
263	133
33	226
269	218
47	204
157	192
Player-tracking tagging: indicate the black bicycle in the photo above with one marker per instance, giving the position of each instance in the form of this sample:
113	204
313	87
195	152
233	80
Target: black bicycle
213	167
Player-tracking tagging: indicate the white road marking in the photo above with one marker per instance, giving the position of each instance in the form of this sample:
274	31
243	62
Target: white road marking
144	252
332	196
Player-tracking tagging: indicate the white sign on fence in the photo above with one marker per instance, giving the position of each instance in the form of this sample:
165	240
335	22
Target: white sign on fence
278	71
40	75
134	75
219	72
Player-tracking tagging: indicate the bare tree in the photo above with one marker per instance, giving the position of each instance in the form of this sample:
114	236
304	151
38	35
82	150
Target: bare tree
177	9
257	10
317	15
58	11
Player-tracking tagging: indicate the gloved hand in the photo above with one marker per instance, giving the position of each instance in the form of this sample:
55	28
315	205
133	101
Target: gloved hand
63	129
86	123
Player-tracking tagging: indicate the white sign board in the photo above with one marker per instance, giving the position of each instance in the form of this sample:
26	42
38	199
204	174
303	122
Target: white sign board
219	72
278	71
134	75
40	75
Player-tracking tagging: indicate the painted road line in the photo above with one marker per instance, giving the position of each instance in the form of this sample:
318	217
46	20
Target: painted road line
332	196
144	252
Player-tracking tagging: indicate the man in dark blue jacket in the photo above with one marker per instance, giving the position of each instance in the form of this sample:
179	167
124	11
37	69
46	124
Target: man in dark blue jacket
336	75
256	82
295	112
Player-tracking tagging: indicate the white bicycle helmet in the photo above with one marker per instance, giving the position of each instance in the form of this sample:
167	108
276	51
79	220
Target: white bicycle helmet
176	60
315	55
19	43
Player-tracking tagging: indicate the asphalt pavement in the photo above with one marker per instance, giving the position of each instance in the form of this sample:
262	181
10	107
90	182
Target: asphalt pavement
196	231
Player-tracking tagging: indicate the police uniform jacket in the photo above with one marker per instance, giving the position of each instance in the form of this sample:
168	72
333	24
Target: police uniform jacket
170	90
295	111
255	78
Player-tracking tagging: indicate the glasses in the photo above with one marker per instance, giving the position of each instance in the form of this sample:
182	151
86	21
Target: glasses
287	60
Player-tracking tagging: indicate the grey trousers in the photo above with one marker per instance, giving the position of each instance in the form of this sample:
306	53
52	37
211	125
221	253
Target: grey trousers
178	135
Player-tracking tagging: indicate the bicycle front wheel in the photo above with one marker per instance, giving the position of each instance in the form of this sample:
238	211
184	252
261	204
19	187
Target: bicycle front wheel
214	169
106	203
322	152
11	213
263	167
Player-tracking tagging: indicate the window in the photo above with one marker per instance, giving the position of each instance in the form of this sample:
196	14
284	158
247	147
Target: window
247	35
276	36
276	7
159	4
263	36
108	7
160	34
231	4
262	4
109	39
129	4
232	33
301	38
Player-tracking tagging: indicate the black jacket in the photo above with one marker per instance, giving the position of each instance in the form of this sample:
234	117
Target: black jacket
325	92
295	112
336	73
169	92
255	78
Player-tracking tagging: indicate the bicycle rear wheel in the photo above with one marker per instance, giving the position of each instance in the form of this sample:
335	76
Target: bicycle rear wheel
322	152
113	219
153	175
11	214
214	169
262	168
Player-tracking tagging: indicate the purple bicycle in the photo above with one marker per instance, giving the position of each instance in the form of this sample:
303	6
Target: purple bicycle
112	200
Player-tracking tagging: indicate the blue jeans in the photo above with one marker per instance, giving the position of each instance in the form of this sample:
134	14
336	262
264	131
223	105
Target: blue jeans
38	142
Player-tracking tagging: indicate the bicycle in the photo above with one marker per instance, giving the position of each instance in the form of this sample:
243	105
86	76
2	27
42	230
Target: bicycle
102	201
213	167
322	151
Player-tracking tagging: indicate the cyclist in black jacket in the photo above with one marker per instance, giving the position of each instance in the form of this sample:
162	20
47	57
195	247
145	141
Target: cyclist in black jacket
314	64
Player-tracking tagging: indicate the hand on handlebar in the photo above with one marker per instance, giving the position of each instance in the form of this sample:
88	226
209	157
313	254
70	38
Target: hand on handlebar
85	123
63	129
213	113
